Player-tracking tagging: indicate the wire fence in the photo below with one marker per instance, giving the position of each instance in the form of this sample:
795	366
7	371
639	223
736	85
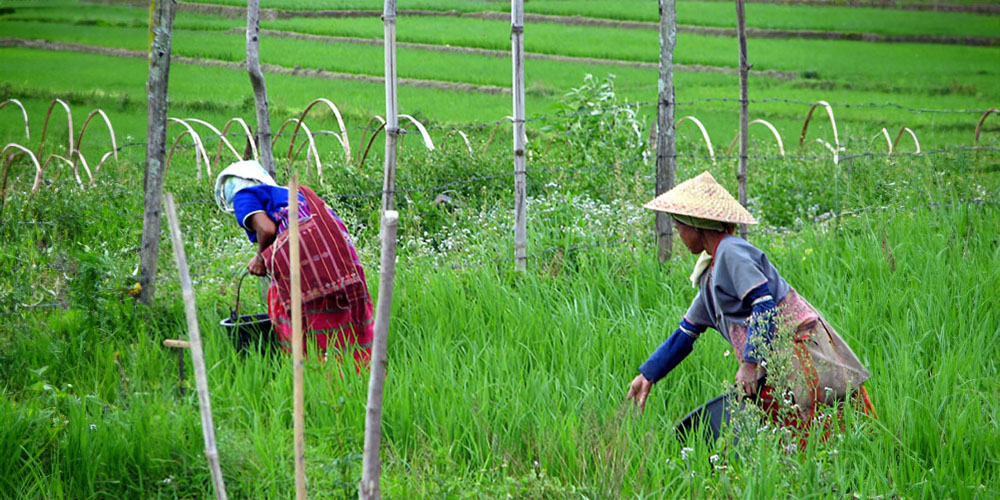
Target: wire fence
558	252
645	160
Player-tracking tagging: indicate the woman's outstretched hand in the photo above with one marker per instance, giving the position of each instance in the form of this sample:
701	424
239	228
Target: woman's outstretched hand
639	390
746	378
256	266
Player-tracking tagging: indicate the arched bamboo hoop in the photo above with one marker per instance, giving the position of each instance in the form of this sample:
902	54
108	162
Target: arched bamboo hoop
835	151
370	142
461	134
335	135
97	168
979	126
704	133
888	141
899	136
67	161
428	143
45	128
364	132
79	143
222	140
34	159
493	133
340	121
199	147
246	130
86	168
313	152
777	137
27	131
833	122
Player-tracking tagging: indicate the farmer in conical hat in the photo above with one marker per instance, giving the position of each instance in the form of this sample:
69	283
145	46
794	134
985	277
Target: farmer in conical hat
338	317
741	295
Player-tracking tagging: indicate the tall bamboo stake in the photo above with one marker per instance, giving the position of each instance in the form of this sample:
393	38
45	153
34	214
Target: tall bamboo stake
391	105
741	28
160	29
666	145
259	89
520	167
298	398
197	355
369	488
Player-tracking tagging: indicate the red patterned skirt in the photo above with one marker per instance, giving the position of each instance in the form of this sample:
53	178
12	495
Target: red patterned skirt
337	325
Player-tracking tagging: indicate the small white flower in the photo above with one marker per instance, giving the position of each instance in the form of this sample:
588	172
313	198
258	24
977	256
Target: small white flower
713	458
685	452
93	427
725	354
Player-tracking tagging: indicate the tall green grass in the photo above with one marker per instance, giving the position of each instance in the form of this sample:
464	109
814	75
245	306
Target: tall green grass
501	383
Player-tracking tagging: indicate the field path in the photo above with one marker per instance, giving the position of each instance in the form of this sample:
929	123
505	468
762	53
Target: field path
272	14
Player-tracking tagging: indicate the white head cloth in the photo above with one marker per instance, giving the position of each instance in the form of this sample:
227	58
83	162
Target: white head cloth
239	175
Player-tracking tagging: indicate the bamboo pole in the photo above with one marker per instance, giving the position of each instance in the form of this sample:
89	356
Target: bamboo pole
369	488
298	396
259	88
520	167
197	355
666	145
160	30
391	106
741	28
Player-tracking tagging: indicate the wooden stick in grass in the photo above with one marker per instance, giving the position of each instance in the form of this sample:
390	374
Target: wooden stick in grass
666	135
161	17
391	106
520	140
259	87
297	358
197	355
741	177
371	465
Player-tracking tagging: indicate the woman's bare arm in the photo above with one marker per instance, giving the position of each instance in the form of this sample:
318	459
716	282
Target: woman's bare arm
266	231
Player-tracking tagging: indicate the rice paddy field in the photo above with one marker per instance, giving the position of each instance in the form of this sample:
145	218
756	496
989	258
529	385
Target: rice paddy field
503	384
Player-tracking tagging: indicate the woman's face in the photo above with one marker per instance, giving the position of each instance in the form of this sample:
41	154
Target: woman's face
690	236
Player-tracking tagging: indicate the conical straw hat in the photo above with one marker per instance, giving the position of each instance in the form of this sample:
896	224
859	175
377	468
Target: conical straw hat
704	198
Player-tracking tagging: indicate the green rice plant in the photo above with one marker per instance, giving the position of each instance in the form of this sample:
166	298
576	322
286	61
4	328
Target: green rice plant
708	13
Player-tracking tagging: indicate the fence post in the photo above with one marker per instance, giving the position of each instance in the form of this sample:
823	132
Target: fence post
197	354
298	393
264	148
520	163
160	29
371	464
666	145
391	106
741	177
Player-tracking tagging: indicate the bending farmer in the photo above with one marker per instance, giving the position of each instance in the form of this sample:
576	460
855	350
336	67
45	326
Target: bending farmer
741	295
336	306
